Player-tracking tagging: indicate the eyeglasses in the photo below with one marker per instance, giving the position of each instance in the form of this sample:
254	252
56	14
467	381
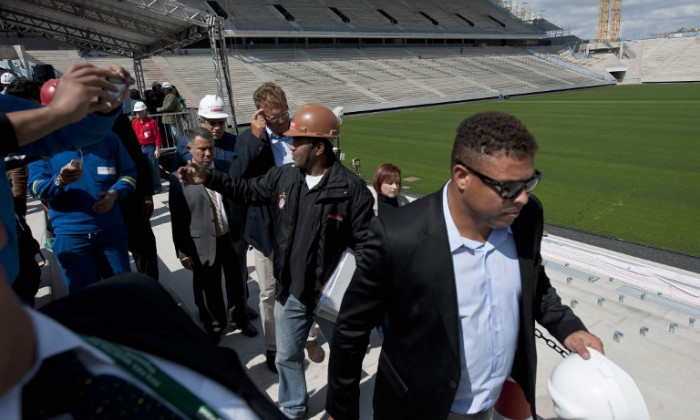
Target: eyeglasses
213	123
509	189
275	118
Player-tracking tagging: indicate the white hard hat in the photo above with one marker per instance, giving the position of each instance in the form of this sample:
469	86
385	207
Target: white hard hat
7	78
212	107
139	106
594	389
339	112
166	85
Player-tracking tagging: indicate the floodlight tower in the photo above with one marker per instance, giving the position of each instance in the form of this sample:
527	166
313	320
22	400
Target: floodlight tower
609	20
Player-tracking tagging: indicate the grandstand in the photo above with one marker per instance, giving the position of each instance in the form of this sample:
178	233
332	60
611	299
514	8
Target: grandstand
359	79
654	60
371	55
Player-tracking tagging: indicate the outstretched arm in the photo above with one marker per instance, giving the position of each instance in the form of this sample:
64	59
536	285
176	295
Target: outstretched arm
82	89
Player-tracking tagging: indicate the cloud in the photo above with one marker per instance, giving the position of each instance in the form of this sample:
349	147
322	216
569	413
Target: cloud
640	18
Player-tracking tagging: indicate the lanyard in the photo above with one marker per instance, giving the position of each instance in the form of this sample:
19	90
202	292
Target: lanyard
153	377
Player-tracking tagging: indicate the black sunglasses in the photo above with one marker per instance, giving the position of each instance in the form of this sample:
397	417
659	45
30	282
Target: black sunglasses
509	189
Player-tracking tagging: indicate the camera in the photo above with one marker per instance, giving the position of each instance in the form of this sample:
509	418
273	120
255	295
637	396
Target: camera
119	84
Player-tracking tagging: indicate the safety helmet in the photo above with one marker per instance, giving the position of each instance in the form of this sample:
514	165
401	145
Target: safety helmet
167	85
313	121
594	389
7	78
48	89
139	106
212	107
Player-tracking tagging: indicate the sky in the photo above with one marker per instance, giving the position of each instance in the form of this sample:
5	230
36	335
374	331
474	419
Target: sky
640	18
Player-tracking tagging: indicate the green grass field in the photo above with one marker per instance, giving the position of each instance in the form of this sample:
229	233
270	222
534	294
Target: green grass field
623	162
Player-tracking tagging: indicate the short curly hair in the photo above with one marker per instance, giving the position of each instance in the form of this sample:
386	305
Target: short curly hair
269	93
491	134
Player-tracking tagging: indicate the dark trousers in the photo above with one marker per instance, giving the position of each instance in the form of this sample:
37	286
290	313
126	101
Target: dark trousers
233	288
142	242
208	293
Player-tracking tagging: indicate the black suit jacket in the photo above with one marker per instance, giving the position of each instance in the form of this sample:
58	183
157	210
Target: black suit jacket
252	158
406	271
135	311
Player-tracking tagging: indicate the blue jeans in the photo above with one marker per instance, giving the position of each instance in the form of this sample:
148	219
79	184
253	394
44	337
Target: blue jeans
78	256
149	151
292	324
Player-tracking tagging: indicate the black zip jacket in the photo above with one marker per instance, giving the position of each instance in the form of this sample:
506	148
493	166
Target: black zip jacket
343	211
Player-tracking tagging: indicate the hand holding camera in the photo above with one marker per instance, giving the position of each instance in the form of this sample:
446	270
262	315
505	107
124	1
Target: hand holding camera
71	172
84	88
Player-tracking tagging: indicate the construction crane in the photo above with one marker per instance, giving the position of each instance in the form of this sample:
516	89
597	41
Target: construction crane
609	20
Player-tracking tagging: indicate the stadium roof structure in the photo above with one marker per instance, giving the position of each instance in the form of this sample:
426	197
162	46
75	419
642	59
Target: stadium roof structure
545	25
131	28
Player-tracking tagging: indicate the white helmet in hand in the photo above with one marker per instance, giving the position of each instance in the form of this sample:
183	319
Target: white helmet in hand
594	389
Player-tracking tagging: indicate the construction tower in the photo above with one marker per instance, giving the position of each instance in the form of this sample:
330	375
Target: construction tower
609	20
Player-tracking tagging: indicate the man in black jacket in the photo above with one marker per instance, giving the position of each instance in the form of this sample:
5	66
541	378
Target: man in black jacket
262	147
321	209
460	277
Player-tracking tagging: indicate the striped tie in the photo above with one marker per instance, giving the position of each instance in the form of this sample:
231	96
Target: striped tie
218	219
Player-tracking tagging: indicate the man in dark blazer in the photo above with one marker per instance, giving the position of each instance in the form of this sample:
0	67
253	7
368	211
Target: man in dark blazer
460	275
203	234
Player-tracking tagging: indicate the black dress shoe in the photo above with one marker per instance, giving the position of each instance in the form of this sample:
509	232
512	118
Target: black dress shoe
251	312
270	360
247	329
214	334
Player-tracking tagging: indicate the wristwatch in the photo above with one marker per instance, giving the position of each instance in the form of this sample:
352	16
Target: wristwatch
59	181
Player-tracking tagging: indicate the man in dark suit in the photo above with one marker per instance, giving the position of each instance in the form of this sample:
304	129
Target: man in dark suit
460	275
204	238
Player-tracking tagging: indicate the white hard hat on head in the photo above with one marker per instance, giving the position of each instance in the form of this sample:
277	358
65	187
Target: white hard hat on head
139	106
7	78
595	389
166	85
212	107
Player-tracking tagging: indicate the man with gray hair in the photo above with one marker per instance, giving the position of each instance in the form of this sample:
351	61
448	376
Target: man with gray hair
204	237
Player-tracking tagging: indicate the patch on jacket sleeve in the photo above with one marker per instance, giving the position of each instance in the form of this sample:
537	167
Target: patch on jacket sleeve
282	200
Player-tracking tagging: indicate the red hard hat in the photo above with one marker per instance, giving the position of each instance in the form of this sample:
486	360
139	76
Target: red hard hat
48	90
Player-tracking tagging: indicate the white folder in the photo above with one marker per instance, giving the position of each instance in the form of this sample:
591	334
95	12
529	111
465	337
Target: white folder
334	289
